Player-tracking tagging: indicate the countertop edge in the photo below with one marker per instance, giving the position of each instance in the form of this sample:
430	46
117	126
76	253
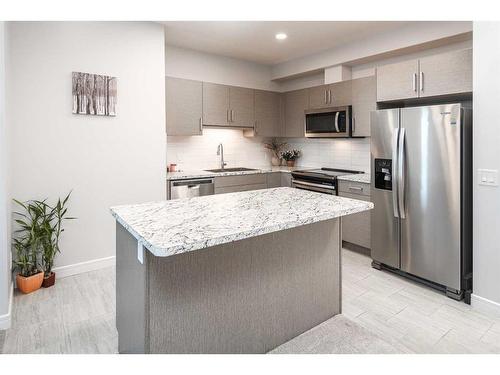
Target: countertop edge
181	249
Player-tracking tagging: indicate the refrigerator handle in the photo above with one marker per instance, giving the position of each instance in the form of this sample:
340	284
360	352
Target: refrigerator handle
395	143
401	174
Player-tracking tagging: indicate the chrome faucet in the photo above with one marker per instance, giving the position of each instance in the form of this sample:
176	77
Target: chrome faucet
220	151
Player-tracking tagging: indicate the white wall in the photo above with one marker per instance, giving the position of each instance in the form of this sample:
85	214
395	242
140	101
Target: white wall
105	160
5	279
486	202
190	64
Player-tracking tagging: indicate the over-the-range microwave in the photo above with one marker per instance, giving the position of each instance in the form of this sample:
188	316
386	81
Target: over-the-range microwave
332	122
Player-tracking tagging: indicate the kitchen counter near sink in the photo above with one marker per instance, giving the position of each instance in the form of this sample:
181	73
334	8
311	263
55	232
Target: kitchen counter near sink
185	174
235	273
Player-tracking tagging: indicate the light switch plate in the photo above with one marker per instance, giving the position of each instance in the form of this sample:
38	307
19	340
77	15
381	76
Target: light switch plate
488	177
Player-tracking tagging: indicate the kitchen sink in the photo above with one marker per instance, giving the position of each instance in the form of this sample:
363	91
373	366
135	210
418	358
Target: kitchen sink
230	170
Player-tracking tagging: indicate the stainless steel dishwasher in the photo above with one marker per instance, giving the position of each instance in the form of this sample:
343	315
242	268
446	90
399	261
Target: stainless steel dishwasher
191	188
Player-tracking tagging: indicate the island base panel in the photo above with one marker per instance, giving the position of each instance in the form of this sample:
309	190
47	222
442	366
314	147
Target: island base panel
248	296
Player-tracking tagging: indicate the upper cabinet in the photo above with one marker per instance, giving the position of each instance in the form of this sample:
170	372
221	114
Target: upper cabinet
447	73
332	95
227	106
364	100
296	102
183	104
397	81
215	104
442	74
241	107
268	121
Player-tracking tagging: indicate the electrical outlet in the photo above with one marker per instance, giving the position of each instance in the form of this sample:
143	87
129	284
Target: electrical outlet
488	177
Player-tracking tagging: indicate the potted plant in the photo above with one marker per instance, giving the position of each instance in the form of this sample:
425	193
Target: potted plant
40	228
290	156
275	147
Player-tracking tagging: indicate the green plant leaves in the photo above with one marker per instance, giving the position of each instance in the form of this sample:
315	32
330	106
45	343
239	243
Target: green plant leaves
37	238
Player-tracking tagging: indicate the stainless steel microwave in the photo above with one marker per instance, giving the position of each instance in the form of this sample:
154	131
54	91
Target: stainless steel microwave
330	122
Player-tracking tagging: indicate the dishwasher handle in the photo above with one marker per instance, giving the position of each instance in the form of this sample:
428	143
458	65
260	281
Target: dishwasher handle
192	183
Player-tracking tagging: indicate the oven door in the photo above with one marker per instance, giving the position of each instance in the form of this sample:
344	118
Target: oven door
311	186
328	122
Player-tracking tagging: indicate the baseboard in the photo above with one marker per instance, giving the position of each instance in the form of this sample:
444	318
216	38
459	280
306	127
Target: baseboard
5	319
91	265
485	306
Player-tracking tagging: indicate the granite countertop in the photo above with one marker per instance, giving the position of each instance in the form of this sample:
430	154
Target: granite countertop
359	177
184	174
177	226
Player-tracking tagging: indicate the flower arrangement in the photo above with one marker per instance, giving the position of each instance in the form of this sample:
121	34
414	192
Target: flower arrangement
290	156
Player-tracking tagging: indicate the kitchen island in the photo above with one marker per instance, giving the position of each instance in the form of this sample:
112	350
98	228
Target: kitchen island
231	273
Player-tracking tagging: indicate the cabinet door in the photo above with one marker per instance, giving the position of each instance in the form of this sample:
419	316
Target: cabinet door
273	179
296	102
364	100
242	106
215	104
446	73
339	94
286	179
267	114
356	227
318	97
183	105
397	81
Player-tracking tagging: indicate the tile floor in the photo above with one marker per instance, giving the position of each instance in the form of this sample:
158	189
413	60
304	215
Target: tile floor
77	315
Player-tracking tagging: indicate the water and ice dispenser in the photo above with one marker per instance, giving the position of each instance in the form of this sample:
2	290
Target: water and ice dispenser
383	174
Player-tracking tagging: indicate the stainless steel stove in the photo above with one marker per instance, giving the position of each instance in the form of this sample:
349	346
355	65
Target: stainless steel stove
323	180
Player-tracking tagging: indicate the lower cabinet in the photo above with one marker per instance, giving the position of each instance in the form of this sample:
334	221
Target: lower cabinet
286	179
356	227
231	184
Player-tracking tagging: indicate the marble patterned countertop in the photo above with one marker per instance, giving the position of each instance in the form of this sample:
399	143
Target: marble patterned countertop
184	174
177	226
359	177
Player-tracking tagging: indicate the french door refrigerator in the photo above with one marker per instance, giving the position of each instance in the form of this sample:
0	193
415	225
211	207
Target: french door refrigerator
421	188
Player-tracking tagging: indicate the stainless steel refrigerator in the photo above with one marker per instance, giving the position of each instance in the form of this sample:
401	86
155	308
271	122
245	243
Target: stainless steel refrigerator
421	188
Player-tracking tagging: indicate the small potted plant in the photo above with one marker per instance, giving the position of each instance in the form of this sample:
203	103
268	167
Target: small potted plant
275	147
40	228
290	156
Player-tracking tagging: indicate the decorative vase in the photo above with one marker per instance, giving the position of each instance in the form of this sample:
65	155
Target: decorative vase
49	280
29	284
275	161
290	163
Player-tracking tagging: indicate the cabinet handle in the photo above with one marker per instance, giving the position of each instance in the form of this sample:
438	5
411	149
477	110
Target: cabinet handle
255	127
201	125
421	81
326	101
330	96
227	115
356	188
232	115
414	82
353	124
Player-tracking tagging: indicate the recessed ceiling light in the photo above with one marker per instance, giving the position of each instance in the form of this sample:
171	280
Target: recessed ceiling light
280	36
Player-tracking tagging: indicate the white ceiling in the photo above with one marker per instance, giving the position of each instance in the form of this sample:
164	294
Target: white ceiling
255	41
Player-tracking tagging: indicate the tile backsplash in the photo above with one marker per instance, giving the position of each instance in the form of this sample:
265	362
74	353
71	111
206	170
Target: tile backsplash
200	152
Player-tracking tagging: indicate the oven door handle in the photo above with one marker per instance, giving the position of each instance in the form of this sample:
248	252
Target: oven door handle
337	122
313	187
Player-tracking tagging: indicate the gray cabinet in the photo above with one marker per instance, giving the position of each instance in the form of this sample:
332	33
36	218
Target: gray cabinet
319	97
215	104
286	179
397	81
273	179
268	122
446	73
231	184
183	105
241	106
296	102
364	100
443	74
356	228
332	95
228	106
